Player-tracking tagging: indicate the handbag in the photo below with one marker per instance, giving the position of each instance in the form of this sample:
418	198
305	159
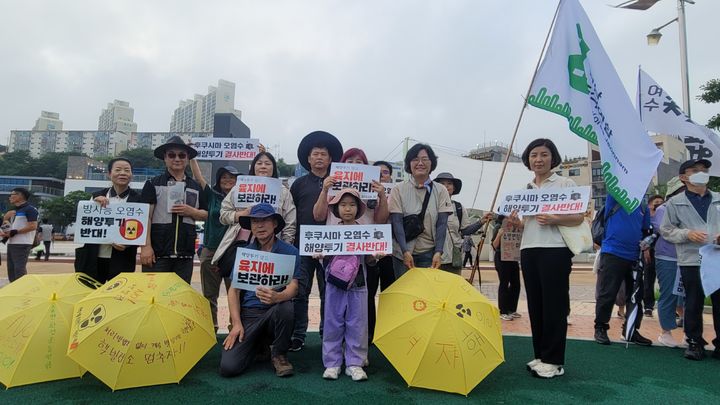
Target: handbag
457	257
577	238
37	239
414	224
342	270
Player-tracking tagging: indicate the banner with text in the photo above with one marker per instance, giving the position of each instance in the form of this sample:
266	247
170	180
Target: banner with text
660	114
351	175
566	200
251	190
226	148
120	223
255	268
578	82
345	240
510	245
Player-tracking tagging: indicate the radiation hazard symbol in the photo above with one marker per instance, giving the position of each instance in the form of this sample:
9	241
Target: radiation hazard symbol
131	229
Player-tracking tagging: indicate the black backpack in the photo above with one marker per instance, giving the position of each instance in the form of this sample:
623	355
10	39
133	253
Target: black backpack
598	224
458	212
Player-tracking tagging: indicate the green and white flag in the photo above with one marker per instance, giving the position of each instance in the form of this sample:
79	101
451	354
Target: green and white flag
577	81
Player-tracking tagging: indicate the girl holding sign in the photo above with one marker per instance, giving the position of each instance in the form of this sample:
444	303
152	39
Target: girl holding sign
346	295
546	262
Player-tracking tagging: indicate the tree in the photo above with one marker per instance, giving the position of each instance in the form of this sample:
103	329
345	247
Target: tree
51	164
142	157
710	95
62	210
285	169
16	163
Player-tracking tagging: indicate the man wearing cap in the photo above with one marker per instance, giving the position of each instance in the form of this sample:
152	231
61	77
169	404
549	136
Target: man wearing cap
21	233
255	314
210	278
688	218
170	245
458	226
315	153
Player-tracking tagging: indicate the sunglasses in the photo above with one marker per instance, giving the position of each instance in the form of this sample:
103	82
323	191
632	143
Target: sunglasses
386	171
173	155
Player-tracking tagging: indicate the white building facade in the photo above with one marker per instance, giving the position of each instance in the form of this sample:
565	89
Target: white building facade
198	114
117	117
48	121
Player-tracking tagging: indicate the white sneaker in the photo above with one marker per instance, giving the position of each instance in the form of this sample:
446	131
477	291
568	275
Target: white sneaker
666	339
516	315
532	363
331	373
544	370
506	317
356	373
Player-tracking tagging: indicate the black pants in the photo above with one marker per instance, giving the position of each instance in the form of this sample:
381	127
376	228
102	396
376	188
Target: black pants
382	275
258	323
47	249
181	267
649	282
694	302
468	258
106	272
546	272
613	270
509	286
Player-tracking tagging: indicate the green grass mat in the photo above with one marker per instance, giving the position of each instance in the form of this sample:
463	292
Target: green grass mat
594	374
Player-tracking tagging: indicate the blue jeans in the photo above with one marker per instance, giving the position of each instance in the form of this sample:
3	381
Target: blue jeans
421	260
666	271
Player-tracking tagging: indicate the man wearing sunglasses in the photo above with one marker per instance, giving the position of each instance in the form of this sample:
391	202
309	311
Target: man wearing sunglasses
176	202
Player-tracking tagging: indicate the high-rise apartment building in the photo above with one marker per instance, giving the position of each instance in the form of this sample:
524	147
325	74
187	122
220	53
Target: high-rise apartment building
117	117
198	114
48	121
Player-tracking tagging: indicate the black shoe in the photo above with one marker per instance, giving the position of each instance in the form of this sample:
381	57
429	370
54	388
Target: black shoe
296	345
640	340
695	351
648	313
601	336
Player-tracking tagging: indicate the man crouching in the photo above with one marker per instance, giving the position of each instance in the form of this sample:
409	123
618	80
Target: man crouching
255	314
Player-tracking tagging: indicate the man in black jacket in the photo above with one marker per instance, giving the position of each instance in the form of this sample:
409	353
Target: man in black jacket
176	202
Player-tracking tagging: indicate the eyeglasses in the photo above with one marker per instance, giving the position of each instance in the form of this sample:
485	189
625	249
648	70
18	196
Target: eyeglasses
173	155
418	160
386	171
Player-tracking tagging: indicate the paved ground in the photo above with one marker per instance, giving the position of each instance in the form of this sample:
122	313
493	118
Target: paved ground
582	294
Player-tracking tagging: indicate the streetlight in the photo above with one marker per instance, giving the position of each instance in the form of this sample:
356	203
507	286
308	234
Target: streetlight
653	38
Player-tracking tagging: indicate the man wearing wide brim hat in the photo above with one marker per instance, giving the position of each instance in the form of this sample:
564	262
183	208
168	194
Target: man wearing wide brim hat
255	314
315	153
170	245
459	225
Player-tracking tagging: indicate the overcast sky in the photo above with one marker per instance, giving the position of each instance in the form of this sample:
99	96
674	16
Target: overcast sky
448	72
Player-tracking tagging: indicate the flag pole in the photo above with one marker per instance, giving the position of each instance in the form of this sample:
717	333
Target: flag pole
476	266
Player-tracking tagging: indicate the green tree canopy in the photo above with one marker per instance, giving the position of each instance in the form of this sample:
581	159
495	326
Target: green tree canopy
285	169
710	95
63	210
142	157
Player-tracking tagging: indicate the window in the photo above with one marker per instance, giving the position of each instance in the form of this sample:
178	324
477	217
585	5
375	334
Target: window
574	172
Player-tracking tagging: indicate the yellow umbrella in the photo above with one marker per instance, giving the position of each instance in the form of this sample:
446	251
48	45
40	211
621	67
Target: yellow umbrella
141	329
35	315
438	331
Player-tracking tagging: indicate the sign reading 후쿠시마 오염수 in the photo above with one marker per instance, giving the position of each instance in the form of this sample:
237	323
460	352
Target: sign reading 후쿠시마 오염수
226	148
566	200
345	240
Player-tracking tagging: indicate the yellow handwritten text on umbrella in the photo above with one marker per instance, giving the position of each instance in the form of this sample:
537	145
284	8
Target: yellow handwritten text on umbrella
141	329
35	315
438	331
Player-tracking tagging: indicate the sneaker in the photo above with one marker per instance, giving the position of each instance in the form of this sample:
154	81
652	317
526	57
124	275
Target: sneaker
695	351
667	340
531	364
544	370
648	312
331	373
680	322
356	373
516	315
296	345
283	368
601	336
506	317
640	340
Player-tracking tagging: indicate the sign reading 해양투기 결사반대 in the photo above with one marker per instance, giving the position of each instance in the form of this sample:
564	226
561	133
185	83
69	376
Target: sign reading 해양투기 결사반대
255	268
226	148
120	223
345	240
356	176
567	200
251	190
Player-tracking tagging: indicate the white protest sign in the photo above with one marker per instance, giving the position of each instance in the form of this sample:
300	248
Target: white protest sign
358	177
510	245
226	148
251	190
710	268
678	287
566	200
388	188
255	268
121	223
345	240
175	194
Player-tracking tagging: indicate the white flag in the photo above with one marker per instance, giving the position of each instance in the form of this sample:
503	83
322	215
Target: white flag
659	113
577	81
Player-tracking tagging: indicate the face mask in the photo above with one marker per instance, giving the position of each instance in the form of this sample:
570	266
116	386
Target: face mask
699	178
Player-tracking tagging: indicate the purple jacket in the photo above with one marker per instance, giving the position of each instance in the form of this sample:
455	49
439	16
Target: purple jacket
663	248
